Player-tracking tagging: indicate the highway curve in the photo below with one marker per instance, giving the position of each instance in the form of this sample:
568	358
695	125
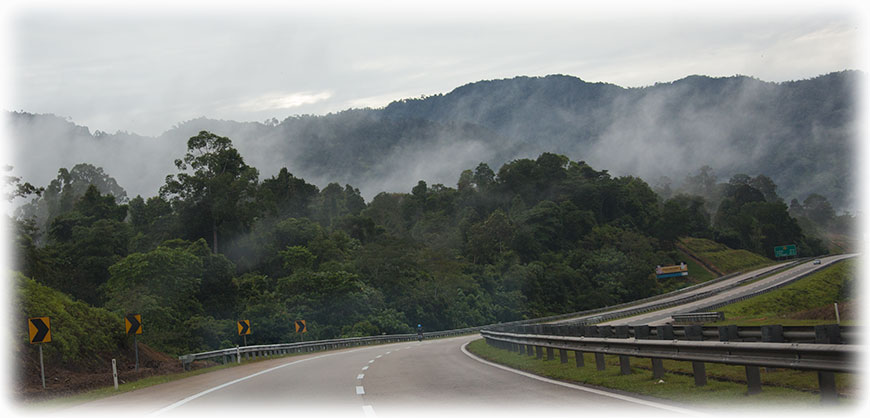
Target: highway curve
433	377
436	377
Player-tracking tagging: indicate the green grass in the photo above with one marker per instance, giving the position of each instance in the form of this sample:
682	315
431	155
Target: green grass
725	259
812	293
724	383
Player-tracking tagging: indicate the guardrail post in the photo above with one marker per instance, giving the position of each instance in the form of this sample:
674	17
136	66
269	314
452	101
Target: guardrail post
643	332
827	388
728	333
530	349
665	332
621	331
539	352
753	374
772	334
827	334
578	357
699	369
550	353
592	331
599	361
563	355
753	380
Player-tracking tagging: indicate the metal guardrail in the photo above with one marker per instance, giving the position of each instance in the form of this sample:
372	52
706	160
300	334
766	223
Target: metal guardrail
698	317
822	334
254	351
826	359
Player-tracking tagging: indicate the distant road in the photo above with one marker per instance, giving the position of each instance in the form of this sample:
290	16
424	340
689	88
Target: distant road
434	377
663	316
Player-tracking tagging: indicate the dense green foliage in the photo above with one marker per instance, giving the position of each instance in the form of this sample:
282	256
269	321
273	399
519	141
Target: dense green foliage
78	331
538	237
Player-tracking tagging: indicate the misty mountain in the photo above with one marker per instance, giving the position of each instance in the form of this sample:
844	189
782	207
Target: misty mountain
802	134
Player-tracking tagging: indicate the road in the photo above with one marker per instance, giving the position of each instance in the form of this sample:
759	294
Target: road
663	316
436	377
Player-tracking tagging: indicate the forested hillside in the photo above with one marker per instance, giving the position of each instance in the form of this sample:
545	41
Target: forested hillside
222	242
800	134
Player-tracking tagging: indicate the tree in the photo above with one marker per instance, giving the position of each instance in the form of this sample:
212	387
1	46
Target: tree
219	194
818	209
288	195
682	216
61	194
14	188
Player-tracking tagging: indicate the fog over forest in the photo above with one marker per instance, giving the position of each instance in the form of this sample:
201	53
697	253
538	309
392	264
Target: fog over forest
801	134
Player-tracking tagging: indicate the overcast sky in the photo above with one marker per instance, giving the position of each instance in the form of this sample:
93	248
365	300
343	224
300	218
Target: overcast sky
145	69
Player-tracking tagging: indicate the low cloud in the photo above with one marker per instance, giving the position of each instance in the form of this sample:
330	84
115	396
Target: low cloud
277	101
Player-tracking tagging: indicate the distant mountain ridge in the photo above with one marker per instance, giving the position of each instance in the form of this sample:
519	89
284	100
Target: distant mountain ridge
802	134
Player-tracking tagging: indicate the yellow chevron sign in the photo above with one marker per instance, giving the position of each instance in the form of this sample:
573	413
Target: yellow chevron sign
244	327
40	329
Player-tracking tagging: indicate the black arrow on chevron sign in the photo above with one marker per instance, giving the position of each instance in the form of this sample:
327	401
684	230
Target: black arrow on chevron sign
41	330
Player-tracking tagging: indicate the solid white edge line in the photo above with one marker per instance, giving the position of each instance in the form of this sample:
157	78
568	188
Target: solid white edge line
242	379
587	389
369	411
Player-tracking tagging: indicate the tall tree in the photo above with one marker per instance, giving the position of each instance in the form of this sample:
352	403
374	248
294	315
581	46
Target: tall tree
219	193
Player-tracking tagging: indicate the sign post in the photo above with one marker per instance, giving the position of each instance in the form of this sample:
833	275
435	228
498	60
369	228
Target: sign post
133	325
40	332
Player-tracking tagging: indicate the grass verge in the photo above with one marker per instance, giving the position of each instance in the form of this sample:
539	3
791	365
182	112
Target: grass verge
725	259
809	301
725	384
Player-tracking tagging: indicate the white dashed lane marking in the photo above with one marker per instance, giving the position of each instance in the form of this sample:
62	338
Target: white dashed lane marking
360	391
368	411
360	376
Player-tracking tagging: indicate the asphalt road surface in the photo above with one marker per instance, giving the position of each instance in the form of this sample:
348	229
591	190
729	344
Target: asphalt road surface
429	378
